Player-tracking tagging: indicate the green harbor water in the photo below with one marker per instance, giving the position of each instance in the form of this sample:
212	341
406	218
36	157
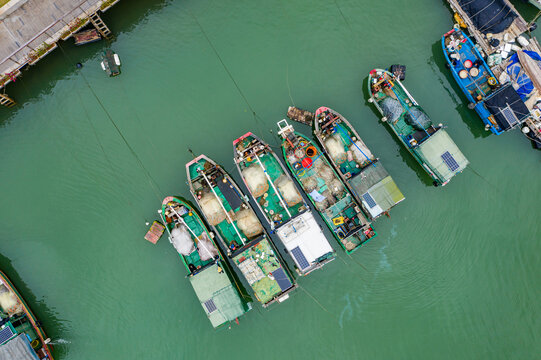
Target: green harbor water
454	274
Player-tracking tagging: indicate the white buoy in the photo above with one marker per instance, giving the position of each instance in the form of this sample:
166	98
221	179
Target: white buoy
525	130
384	118
370	100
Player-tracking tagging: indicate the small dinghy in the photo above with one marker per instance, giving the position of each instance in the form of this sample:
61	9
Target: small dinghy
110	63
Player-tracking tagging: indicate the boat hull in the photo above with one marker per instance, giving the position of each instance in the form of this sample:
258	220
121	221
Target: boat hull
46	350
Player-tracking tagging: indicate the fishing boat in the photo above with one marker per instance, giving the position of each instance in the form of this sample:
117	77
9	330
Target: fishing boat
334	202
233	220
430	145
21	334
208	272
279	200
110	63
359	169
499	105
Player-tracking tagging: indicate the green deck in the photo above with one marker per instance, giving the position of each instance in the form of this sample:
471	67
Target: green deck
195	223
213	287
270	201
265	290
263	257
343	207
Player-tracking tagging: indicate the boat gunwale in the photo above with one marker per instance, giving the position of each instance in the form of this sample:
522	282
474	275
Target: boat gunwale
33	320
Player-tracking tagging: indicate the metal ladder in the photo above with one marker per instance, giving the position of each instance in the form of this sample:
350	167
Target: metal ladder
100	25
6	101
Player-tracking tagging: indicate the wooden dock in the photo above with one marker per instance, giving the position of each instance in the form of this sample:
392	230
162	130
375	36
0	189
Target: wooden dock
518	27
31	29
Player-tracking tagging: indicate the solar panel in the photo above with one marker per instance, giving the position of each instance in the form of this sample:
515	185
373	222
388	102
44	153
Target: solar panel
6	334
509	116
450	161
210	305
282	279
301	259
369	200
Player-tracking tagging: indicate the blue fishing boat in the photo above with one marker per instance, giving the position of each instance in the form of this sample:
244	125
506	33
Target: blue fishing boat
498	105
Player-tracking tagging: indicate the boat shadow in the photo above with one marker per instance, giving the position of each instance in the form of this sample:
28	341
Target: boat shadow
404	153
468	117
47	318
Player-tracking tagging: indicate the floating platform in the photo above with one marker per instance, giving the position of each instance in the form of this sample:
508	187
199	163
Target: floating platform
86	37
155	232
303	116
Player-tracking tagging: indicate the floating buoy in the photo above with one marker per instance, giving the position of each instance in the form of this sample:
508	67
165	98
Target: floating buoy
474	72
463	74
311	151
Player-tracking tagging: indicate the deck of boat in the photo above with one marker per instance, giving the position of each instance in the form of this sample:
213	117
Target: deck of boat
263	270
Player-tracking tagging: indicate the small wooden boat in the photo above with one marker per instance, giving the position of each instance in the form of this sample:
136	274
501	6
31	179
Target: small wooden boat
279	200
334	202
430	145
86	37
361	171
208	272
110	63
21	334
236	225
499	106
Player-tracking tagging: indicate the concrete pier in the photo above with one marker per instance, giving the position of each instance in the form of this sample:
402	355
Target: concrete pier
30	29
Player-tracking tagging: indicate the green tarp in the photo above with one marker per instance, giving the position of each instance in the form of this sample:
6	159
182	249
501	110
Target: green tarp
432	149
217	295
376	181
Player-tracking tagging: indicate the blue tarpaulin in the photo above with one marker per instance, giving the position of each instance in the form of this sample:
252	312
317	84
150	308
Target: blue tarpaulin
518	76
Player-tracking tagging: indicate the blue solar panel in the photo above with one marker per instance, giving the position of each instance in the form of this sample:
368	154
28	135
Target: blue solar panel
6	334
299	256
369	200
282	279
450	161
210	305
